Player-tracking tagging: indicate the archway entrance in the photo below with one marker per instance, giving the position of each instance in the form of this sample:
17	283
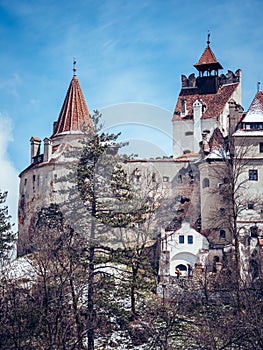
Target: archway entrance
181	267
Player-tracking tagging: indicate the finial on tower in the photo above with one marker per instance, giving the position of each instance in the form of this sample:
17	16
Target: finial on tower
208	38
259	83
74	66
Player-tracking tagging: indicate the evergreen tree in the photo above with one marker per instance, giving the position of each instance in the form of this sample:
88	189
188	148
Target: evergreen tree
108	200
7	237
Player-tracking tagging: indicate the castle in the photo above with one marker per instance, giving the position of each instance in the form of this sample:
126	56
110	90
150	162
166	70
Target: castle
208	111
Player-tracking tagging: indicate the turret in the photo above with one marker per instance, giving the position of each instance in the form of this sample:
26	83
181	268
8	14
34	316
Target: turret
208	68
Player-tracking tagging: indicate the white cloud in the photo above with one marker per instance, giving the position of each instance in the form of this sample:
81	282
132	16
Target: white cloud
8	173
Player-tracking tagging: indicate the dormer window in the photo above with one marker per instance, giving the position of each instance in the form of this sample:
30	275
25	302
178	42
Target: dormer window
256	126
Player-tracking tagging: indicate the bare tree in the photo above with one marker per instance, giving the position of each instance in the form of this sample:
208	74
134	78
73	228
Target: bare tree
225	203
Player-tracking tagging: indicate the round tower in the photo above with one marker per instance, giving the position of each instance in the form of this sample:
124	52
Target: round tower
40	182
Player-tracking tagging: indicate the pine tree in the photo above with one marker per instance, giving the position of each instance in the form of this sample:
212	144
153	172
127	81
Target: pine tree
7	237
106	195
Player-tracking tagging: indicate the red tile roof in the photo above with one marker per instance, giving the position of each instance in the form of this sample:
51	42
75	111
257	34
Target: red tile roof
208	59
214	103
35	138
74	114
216	140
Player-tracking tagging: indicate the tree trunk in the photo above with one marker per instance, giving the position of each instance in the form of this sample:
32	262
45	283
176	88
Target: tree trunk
133	289
91	301
91	279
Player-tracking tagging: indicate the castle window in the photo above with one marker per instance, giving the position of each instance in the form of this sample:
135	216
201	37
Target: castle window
254	231
261	147
136	175
190	239
206	183
189	133
181	239
226	180
34	182
253	175
250	206
222	211
165	178
222	234
256	126
25	181
183	101
153	177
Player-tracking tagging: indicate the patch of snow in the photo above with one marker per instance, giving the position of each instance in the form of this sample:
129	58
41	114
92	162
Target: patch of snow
248	133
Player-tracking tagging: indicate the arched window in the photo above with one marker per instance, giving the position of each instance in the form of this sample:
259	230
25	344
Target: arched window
206	182
215	260
181	267
222	234
183	102
254	231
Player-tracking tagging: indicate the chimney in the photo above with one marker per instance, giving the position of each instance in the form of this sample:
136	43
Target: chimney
47	149
35	147
197	106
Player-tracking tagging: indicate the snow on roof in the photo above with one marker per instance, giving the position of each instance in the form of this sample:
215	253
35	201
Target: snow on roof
248	132
255	111
217	154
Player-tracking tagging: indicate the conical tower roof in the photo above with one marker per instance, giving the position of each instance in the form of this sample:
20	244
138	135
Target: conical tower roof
255	111
74	115
208	60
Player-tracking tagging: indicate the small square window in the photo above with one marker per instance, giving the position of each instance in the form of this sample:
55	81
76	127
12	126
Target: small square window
253	175
222	211
261	147
190	239
181	239
250	206
226	180
189	133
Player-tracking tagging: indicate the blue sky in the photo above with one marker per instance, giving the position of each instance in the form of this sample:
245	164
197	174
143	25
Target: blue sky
130	57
